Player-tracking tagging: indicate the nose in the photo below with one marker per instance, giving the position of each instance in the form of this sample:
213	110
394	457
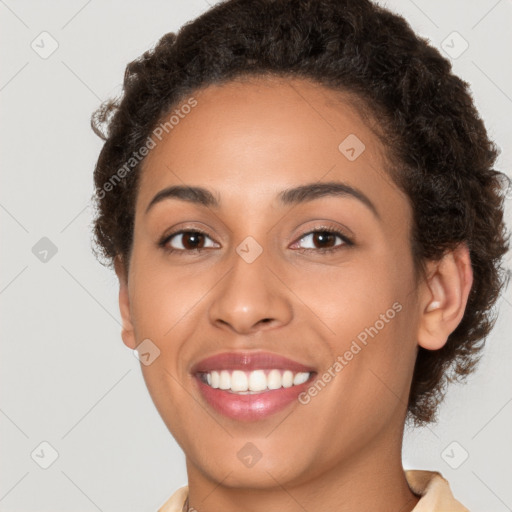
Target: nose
251	297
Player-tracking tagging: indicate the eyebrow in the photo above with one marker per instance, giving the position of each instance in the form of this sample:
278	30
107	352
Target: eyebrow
290	196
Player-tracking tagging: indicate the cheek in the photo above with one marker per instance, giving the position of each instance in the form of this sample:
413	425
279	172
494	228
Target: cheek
363	314
366	383
347	298
164	298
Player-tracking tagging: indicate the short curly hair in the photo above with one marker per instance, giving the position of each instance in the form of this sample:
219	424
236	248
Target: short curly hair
437	148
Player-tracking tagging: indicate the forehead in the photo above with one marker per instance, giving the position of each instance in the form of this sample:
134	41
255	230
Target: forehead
248	139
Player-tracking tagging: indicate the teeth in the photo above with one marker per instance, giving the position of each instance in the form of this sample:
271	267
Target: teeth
274	379
257	381
238	381
287	379
224	380
300	378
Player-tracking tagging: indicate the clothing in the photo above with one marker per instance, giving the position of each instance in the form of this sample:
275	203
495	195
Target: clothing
434	490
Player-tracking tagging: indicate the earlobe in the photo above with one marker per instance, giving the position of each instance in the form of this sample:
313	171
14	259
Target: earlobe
444	298
127	332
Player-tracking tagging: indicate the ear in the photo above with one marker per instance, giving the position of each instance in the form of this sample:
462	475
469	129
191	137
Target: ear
127	332
444	297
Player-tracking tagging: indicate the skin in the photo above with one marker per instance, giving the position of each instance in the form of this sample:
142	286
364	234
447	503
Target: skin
246	141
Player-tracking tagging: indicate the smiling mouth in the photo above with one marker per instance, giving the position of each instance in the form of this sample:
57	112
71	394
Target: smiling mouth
251	385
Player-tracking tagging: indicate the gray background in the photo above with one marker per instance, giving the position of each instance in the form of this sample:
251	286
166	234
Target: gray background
66	377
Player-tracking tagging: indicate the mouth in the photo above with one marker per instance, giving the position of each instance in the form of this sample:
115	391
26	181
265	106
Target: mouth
251	386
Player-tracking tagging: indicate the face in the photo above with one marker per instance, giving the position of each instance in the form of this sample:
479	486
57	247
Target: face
320	276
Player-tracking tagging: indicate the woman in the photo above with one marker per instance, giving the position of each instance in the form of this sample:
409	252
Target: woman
299	201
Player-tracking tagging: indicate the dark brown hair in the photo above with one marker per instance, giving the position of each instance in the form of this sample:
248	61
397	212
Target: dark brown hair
438	150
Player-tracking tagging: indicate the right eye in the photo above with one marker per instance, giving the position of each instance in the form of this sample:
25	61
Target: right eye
185	241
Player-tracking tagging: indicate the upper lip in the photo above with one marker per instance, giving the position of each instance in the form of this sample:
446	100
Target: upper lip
248	361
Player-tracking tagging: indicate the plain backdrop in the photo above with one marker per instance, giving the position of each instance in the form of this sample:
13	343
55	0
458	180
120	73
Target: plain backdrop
72	395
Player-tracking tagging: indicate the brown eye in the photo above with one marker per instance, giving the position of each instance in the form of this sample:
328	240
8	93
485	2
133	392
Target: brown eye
324	240
192	240
187	241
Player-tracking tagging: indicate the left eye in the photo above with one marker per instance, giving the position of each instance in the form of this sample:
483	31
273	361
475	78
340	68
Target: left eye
324	238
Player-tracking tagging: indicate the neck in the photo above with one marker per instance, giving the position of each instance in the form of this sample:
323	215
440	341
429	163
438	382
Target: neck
371	480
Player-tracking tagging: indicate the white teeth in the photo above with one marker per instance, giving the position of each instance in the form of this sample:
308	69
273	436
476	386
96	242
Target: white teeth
274	380
287	379
224	380
257	381
238	381
300	378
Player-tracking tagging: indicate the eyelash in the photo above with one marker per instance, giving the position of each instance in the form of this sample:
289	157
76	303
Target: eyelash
347	242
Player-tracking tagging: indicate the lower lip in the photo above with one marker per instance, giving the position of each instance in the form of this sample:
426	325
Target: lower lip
251	407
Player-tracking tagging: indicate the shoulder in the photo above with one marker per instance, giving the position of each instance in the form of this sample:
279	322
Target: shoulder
176	501
435	492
